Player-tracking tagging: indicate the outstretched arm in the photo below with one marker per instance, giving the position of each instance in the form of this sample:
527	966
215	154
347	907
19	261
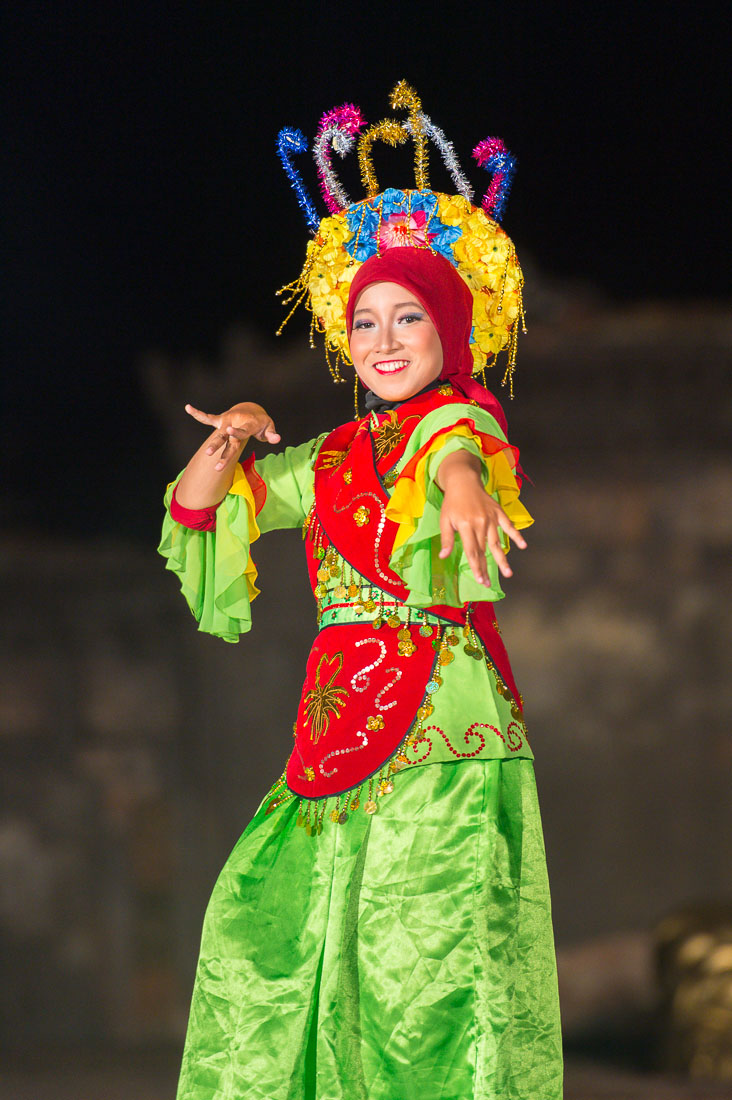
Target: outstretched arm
468	509
207	478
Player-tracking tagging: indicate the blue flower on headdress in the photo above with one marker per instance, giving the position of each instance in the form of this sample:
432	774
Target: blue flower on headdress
400	218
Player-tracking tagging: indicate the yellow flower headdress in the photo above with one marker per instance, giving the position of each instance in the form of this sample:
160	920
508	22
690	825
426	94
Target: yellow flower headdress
470	237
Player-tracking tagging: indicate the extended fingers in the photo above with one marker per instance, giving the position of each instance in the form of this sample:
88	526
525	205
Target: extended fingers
510	530
473	531
494	540
266	432
477	535
229	451
233	438
473	535
230	439
447	535
219	438
479	520
202	417
494	545
240	435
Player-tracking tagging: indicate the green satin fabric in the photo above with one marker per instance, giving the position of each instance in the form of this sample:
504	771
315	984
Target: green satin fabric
399	956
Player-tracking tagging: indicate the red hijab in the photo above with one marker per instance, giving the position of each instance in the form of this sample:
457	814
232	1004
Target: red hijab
449	303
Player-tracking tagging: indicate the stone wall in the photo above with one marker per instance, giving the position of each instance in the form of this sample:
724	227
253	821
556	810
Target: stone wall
134	749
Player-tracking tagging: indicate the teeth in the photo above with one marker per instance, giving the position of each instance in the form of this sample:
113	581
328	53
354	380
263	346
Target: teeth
388	368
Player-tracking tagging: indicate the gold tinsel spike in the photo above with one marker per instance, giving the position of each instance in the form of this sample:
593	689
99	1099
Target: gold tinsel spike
389	131
404	96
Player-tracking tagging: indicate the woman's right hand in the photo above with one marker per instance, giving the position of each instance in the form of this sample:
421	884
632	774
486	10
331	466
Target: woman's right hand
233	428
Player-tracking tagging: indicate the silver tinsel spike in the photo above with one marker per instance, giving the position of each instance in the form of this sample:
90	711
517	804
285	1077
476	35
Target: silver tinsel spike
335	196
448	154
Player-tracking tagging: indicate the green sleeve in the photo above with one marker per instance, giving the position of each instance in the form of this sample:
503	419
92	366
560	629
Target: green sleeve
288	477
430	578
215	568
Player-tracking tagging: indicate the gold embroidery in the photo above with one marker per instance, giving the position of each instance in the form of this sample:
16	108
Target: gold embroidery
348	476
445	391
324	700
388	435
361	516
328	459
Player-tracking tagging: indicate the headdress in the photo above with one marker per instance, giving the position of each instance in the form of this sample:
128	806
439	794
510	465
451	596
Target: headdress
470	237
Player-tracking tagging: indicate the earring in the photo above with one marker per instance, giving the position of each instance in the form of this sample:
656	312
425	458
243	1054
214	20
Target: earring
355	397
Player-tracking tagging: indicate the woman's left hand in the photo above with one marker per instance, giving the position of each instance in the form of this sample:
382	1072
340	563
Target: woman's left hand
474	514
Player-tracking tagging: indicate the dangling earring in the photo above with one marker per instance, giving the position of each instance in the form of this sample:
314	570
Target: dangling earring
355	397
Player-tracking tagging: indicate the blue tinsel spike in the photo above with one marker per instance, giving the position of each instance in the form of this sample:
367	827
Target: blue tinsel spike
289	142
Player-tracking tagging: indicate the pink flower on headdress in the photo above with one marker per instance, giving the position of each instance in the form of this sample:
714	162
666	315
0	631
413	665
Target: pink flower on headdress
398	231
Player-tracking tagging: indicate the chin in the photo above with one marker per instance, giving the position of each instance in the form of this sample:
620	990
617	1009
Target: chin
391	385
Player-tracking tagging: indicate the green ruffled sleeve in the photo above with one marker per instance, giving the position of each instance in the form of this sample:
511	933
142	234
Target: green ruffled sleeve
215	568
416	503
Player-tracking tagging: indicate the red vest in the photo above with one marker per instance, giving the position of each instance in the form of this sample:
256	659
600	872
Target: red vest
364	686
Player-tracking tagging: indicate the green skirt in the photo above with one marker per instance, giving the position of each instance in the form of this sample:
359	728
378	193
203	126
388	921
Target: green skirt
402	955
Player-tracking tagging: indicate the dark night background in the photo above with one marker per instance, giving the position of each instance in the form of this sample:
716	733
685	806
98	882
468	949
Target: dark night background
148	224
146	207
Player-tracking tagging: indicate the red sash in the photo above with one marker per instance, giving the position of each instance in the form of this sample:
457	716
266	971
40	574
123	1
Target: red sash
335	747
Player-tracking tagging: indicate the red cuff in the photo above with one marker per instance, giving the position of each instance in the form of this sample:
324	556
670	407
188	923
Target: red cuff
204	519
259	489
198	519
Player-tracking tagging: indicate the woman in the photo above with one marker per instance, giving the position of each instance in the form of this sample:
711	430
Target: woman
382	928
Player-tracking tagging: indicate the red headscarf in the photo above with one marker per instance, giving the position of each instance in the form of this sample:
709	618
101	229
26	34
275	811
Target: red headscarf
448	301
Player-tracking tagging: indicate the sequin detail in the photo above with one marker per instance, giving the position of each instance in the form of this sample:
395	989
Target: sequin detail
361	679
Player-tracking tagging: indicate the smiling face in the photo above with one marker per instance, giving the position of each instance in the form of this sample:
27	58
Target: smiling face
394	345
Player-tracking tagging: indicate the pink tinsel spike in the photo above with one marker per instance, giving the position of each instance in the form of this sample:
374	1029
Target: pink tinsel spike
493	155
338	128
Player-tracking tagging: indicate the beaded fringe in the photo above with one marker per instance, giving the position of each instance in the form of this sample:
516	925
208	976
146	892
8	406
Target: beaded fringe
312	811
